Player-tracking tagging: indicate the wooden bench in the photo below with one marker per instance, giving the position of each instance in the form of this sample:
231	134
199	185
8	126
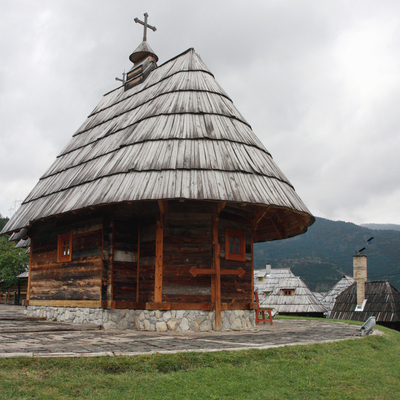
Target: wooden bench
262	311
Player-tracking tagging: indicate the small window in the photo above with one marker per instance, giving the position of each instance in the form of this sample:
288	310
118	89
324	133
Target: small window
260	279
235	246
266	294
287	292
64	251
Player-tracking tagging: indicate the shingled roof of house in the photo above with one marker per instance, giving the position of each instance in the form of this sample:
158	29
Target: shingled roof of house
175	135
301	301
329	299
383	302
271	280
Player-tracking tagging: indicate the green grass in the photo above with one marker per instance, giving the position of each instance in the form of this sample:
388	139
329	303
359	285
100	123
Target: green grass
367	368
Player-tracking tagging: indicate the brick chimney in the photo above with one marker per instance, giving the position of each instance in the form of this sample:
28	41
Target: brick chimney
360	276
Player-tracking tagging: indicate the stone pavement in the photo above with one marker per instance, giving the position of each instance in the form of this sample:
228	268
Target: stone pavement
25	337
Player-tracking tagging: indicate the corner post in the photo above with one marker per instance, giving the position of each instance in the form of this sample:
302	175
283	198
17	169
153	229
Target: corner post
159	252
217	266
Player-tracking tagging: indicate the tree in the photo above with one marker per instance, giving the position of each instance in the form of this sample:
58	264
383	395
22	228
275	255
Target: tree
12	261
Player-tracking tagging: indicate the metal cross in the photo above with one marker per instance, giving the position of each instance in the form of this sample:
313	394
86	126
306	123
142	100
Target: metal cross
146	25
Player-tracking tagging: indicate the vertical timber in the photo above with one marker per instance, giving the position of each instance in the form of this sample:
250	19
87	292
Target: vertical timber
252	262
107	262
217	266
159	252
28	287
138	264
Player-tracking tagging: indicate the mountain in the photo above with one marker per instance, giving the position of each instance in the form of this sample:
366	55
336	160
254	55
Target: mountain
392	227
323	255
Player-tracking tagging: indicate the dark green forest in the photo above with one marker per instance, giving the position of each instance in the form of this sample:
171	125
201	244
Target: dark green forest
323	254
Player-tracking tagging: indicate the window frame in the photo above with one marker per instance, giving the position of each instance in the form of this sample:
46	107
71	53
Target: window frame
237	234
60	247
290	292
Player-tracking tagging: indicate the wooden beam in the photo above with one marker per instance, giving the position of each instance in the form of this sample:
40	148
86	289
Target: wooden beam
207	271
138	264
159	254
279	231
66	303
259	216
221	206
28	286
179	306
110	272
252	266
217	276
132	305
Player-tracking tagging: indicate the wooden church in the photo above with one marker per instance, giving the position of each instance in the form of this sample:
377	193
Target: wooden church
154	205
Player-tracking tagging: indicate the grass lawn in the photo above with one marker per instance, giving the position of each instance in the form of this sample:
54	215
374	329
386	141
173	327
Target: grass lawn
367	368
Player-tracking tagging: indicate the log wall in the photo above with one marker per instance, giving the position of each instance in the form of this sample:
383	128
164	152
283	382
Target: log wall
234	288
187	244
79	279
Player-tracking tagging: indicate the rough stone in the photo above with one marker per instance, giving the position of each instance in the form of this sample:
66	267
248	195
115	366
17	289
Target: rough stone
161	326
172	325
167	316
205	326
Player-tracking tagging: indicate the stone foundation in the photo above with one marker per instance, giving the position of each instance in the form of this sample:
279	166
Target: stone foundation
161	321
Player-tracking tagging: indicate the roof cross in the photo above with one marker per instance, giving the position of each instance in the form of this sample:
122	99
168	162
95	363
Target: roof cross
146	25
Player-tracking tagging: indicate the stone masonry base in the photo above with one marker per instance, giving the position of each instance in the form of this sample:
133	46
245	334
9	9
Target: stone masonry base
161	321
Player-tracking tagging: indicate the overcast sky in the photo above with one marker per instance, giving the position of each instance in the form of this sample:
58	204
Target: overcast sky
318	81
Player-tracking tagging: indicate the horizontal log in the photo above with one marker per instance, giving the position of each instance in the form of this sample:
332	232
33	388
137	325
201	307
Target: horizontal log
204	271
178	306
198	306
65	303
132	305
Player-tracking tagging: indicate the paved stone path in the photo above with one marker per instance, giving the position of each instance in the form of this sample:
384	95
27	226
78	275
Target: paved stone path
24	337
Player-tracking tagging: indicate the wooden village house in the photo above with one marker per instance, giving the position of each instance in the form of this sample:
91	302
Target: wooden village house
364	299
148	216
328	301
266	280
293	297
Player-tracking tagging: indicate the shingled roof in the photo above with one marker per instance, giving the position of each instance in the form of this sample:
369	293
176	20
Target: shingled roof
383	302
329	299
176	135
302	301
271	280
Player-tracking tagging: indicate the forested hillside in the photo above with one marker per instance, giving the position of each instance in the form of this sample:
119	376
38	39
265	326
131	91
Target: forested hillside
323	254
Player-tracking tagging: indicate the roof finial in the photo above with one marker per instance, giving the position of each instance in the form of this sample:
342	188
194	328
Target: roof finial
146	25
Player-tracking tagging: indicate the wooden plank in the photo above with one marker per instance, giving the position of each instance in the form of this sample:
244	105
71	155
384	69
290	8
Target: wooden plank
237	306
138	264
204	271
159	255
132	305
66	303
178	306
29	275
217	276
110	272
252	262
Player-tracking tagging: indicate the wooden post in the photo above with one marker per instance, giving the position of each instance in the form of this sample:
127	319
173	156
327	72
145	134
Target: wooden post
28	286
110	272
252	263
217	276
159	254
107	260
138	263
